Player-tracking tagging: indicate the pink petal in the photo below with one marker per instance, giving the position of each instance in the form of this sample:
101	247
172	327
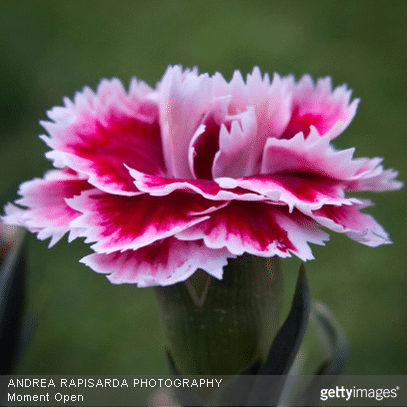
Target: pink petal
314	157
205	141
213	190
263	112
318	106
235	87
257	228
298	190
272	107
129	222
356	225
184	100
237	156
312	154
165	262
99	133
47	213
372	177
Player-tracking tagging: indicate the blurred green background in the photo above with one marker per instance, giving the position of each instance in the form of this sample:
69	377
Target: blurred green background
51	49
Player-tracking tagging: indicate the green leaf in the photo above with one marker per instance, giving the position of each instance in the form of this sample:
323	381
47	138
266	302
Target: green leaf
237	392
284	348
333	339
337	352
12	302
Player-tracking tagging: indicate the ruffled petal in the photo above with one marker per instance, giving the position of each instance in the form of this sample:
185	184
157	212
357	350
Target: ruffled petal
235	87
318	106
121	223
300	190
313	157
99	133
236	156
356	225
213	190
184	99
272	104
257	228
165	262
262	110
205	141
312	154
371	176
47	212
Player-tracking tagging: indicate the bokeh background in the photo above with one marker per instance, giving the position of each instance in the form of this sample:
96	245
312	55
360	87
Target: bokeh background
51	49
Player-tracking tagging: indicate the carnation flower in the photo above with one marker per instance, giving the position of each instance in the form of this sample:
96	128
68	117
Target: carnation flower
169	180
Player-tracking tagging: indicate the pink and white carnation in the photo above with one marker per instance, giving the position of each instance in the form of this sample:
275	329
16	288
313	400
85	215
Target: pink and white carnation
168	180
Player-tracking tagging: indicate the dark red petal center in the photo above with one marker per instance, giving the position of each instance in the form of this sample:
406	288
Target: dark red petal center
254	222
302	123
119	140
206	146
307	186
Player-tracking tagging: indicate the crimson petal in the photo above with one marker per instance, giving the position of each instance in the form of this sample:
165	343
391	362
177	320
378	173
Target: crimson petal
356	225
257	228
299	190
100	133
213	190
129	222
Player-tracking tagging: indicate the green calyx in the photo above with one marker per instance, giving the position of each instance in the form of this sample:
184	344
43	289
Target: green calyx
223	326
